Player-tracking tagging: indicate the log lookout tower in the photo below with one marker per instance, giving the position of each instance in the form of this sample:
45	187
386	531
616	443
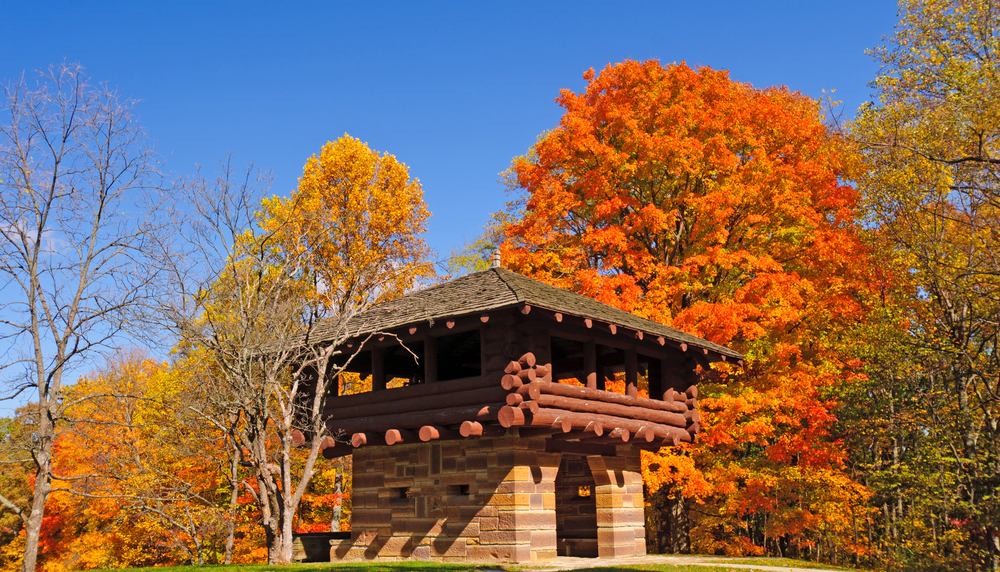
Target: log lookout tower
490	433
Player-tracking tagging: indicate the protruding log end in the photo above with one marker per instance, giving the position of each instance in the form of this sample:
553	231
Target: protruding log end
298	439
394	436
613	328
661	340
558	317
362	439
531	406
328	442
562	424
526	309
413	330
470	429
484	318
594	428
450	324
430	433
692	392
527	360
514	399
639	335
510	382
527	374
684	347
510	416
513	368
692	416
588	322
694	429
619	434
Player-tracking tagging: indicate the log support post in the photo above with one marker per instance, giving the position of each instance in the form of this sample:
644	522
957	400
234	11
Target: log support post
378	368
430	359
631	372
655	378
620	517
600	371
590	370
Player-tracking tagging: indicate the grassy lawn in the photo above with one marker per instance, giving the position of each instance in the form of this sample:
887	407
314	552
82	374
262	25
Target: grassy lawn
438	567
786	562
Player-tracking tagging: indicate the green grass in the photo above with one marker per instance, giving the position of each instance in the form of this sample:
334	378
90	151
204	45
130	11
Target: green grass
417	566
785	562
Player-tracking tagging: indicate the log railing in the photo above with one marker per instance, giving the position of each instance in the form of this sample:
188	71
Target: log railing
525	398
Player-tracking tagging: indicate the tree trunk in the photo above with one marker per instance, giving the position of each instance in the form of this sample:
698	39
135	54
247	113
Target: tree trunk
677	516
337	490
33	524
233	505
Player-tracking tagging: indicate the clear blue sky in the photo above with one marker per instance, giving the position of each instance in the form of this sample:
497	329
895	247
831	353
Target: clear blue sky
453	89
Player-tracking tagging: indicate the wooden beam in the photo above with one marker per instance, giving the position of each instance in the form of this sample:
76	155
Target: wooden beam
590	364
378	368
430	359
631	372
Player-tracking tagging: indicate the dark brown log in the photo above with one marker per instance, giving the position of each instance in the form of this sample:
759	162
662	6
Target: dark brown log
434	432
514	398
409	393
692	416
527	360
528	432
370	438
692	392
586	448
415	419
509	382
339	450
298	439
394	436
614	409
513	368
455	399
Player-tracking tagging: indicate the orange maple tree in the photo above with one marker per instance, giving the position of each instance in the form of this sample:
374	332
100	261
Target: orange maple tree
714	207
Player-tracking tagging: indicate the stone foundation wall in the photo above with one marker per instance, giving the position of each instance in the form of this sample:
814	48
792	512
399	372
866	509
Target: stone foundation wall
490	500
469	500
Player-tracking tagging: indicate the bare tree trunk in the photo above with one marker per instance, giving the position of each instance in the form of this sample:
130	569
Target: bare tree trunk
33	524
677	516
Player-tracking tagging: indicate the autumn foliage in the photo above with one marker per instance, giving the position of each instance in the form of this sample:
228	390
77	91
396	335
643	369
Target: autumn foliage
717	208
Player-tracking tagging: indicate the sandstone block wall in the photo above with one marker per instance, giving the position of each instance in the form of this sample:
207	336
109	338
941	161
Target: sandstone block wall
470	500
491	500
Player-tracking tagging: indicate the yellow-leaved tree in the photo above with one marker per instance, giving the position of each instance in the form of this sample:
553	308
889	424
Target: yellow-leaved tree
360	215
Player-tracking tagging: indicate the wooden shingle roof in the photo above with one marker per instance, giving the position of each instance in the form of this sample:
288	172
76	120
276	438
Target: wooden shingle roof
497	288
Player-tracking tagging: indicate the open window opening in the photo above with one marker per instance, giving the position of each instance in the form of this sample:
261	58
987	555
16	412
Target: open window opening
459	356
404	364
